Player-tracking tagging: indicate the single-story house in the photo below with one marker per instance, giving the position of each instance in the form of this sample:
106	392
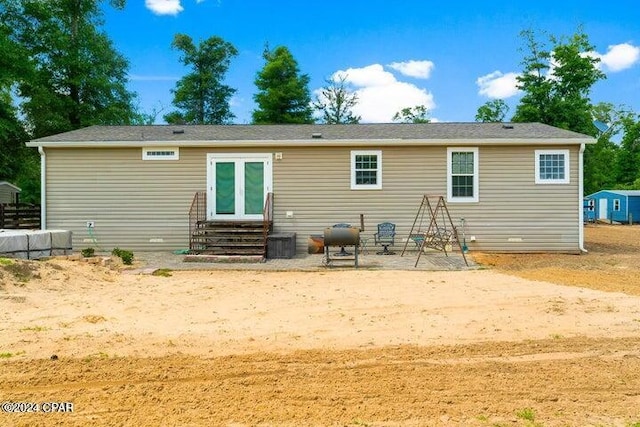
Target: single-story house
614	205
518	186
9	193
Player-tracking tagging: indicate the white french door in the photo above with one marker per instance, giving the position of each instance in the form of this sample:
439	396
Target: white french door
237	185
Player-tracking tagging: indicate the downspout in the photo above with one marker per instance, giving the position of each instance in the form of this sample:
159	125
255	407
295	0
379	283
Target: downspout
581	199
43	189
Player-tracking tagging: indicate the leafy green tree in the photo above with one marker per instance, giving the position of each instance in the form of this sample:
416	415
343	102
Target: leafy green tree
78	78
28	177
416	114
17	162
200	96
11	129
492	111
600	168
629	154
336	102
283	93
12	138
556	82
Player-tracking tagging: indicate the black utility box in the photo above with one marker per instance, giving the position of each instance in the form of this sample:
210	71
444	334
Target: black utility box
281	245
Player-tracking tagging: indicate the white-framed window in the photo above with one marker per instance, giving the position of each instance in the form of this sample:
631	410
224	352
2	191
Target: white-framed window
366	170
616	205
160	153
591	204
552	166
462	174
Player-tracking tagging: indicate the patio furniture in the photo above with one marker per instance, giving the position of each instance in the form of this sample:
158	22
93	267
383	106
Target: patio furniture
385	237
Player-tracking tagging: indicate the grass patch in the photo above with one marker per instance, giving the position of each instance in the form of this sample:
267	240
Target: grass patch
162	272
526	414
6	355
34	329
22	271
96	356
6	261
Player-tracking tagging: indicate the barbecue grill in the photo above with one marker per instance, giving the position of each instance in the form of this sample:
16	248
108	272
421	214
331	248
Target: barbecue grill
343	235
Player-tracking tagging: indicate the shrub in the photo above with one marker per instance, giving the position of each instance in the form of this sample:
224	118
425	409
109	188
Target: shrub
88	252
126	256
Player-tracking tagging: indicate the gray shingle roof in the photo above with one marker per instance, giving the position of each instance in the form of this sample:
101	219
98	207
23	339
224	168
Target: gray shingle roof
391	131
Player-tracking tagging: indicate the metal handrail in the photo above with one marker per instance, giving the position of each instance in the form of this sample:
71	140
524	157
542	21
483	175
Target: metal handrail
267	220
197	213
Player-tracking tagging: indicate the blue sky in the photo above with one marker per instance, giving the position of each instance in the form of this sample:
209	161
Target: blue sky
450	56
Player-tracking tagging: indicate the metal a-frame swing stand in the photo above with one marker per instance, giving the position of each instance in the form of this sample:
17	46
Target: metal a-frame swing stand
439	234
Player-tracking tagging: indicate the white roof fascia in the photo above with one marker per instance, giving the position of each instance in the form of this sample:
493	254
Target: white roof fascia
313	142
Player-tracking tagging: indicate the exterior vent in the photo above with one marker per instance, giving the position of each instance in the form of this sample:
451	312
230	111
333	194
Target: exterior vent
316	135
161	153
178	131
507	126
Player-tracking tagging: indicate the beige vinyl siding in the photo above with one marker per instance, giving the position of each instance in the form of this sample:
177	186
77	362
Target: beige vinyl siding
327	199
133	201
513	214
7	194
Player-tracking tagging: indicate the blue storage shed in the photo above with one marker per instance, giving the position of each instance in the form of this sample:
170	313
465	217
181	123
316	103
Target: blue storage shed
615	205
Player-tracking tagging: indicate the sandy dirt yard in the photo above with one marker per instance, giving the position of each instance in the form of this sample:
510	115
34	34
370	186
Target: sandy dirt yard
525	340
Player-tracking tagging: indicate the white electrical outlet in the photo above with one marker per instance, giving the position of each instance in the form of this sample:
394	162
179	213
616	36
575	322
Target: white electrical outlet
91	224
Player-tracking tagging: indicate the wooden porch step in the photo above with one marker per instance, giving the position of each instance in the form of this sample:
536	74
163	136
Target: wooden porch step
230	251
229	238
228	244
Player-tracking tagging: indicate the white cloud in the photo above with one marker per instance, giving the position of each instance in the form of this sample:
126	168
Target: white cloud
381	95
619	57
417	69
371	75
497	85
164	7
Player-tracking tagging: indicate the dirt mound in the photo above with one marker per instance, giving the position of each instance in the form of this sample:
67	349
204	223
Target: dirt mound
57	272
611	264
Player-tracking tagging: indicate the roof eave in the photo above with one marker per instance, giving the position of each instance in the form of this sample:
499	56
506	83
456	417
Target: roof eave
312	142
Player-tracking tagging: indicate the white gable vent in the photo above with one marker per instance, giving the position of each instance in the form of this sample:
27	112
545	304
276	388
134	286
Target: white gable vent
164	153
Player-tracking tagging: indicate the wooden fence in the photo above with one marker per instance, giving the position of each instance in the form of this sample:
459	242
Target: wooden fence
19	217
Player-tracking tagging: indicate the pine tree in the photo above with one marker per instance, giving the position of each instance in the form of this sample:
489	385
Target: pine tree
283	93
200	96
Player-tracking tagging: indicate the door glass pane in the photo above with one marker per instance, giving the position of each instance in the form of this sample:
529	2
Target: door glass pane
253	188
225	188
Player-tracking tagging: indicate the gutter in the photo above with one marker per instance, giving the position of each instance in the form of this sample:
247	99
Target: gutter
270	143
43	188
581	199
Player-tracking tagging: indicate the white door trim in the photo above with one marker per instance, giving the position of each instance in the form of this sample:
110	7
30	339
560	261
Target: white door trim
239	159
602	208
